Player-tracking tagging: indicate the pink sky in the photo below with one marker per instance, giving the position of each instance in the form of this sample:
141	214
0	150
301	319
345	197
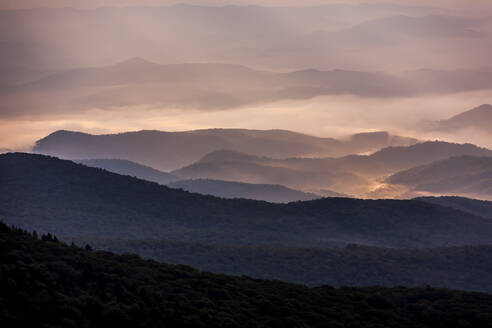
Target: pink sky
17	4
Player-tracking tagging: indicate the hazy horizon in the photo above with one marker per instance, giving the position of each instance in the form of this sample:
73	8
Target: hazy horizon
418	62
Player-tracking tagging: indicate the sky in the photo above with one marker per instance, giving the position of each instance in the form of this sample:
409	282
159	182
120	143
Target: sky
17	4
41	50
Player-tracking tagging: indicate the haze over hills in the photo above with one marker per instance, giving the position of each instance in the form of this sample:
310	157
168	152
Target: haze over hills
199	86
162	130
464	175
133	169
11	76
353	174
171	150
400	29
476	118
294	173
233	34
207	86
335	59
219	188
68	199
231	189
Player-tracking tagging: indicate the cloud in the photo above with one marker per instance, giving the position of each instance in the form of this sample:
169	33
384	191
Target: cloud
329	116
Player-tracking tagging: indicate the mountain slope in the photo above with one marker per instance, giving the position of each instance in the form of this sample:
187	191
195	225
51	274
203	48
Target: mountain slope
234	166
171	150
457	175
189	86
353	175
478	207
133	169
208	86
466	267
48	194
427	152
46	283
231	189
219	188
479	118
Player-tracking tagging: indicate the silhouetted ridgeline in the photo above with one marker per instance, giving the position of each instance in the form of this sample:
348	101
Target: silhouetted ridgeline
219	188
231	189
125	167
68	199
171	150
49	284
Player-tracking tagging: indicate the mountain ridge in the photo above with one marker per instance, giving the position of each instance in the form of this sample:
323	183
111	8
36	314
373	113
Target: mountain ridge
232	189
352	174
70	199
479	118
463	175
190	146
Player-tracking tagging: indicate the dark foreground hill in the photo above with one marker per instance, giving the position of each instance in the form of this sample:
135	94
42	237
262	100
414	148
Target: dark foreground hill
464	268
44	283
72	200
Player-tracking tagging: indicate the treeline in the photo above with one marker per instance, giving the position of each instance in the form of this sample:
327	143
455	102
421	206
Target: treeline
465	267
45	283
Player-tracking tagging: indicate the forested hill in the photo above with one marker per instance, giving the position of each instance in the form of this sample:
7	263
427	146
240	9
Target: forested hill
481	208
44	283
232	189
133	169
463	267
52	195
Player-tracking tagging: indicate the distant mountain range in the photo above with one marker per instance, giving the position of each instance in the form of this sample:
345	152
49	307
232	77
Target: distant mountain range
297	173
133	169
399	29
268	157
477	118
219	188
463	175
199	86
234	34
217	86
231	189
172	150
351	174
73	200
